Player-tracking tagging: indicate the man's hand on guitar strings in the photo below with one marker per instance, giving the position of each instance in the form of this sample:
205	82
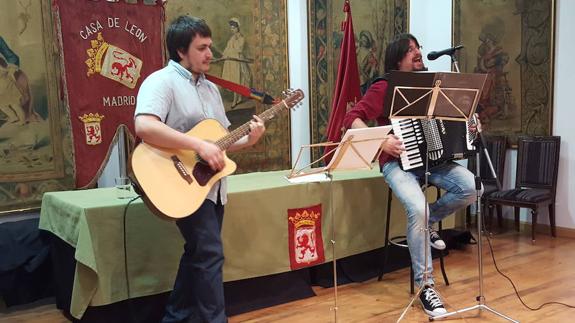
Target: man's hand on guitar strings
257	129
212	154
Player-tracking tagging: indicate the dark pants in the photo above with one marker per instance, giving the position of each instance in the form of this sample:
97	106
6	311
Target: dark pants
198	294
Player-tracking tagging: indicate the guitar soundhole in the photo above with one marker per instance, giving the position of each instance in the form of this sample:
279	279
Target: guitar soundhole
203	173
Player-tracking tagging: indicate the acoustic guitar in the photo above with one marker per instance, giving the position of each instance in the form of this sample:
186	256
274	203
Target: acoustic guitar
174	183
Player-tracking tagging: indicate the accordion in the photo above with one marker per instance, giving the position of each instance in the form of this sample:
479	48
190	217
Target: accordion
436	140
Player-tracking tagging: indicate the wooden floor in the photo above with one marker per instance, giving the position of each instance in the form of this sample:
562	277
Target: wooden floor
542	272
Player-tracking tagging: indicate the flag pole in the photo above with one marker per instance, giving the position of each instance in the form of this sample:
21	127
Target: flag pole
347	91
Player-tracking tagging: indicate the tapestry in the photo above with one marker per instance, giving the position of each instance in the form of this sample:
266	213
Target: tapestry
512	42
35	143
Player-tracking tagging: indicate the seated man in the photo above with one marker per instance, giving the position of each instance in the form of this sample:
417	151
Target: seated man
403	54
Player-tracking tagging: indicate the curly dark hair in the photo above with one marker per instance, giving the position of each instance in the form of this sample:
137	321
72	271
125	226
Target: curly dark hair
396	51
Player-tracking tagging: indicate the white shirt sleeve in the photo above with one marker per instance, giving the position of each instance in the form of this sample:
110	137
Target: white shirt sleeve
154	97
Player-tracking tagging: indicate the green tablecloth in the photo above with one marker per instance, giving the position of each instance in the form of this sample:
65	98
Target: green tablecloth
255	232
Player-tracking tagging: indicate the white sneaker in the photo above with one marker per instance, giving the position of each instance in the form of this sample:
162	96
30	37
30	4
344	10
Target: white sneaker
435	239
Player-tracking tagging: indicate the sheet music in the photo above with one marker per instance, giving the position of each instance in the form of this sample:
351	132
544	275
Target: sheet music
367	149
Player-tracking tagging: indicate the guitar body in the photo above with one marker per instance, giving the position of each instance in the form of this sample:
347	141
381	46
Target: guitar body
175	183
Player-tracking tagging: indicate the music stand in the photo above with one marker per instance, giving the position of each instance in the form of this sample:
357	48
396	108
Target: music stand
428	95
447	96
358	149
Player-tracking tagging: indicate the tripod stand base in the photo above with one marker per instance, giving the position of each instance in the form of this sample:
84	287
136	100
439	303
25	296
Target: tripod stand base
413	299
479	307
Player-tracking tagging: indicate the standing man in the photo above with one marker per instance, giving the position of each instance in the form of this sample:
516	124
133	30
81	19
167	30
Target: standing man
404	54
170	102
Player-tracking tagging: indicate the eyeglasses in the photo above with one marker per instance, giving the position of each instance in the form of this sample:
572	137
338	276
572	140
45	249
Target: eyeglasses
411	49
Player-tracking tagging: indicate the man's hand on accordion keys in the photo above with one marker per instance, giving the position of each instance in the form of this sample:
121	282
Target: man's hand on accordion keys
474	124
393	146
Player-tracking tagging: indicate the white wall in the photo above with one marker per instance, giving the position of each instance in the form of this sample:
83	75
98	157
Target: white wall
298	67
112	169
564	112
430	23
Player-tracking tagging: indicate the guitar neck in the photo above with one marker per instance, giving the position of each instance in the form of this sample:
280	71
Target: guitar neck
225	142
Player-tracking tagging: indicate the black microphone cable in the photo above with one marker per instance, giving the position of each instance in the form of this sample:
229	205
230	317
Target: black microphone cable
511	281
126	256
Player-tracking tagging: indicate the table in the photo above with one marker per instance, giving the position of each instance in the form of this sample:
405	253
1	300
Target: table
255	232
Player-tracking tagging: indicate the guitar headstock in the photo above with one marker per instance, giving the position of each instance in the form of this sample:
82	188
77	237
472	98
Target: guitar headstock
292	98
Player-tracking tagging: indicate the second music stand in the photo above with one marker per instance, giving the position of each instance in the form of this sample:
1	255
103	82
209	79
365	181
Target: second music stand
357	150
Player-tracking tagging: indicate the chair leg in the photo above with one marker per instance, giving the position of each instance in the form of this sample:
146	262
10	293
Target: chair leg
487	209
387	245
516	211
488	225
499	216
442	265
441	254
485	212
533	223
552	220
411	280
385	255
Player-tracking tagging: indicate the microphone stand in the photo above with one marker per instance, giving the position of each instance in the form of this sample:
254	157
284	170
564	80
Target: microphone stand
455	63
481	298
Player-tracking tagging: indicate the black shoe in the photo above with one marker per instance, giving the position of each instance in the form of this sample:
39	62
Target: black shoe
432	304
435	239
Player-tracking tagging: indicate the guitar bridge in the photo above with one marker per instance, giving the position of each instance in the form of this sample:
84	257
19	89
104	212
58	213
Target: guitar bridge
182	169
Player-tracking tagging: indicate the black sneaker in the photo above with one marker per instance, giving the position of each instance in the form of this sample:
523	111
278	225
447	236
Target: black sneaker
432	304
435	239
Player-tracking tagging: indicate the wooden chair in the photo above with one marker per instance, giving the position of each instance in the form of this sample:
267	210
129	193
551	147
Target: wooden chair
496	147
536	180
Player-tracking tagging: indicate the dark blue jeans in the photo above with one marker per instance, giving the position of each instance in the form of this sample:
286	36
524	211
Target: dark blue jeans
198	294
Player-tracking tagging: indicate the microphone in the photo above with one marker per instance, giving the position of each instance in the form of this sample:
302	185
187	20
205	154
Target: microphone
450	51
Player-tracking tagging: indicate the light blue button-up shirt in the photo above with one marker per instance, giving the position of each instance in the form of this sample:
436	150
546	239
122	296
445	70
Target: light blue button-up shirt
173	95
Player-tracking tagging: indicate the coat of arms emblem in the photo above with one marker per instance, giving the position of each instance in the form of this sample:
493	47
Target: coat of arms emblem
305	239
113	62
92	128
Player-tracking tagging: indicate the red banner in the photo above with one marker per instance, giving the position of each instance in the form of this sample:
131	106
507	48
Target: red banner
108	49
305	241
347	88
